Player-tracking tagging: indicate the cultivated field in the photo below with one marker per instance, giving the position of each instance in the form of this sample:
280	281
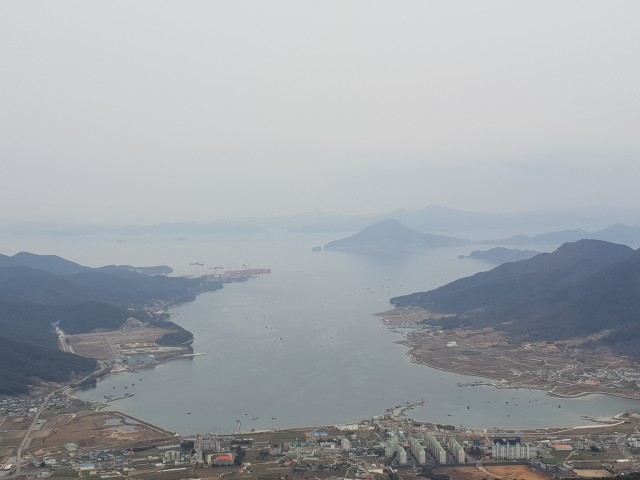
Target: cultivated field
551	366
94	430
511	472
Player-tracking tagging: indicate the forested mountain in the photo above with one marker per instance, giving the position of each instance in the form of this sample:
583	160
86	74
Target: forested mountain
119	287
61	266
581	288
37	291
29	348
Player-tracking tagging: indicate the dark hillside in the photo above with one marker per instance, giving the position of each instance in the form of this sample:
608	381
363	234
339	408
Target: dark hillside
512	283
82	299
124	288
60	266
609	299
29	349
581	288
48	263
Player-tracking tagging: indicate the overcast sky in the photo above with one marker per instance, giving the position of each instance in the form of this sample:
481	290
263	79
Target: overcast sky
149	111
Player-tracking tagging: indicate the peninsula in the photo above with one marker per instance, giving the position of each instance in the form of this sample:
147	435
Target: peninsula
52	307
547	323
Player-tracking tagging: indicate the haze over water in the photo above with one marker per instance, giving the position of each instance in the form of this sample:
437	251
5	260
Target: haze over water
301	347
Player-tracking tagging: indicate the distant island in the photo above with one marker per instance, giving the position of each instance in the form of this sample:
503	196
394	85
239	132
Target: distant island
501	255
617	233
557	320
433	218
391	237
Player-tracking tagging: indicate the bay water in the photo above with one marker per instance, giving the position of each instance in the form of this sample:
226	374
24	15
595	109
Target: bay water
301	347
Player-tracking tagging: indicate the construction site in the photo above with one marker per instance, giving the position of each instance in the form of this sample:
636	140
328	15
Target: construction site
200	269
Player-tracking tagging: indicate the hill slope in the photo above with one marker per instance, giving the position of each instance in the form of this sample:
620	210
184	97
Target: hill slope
581	288
119	287
38	290
61	266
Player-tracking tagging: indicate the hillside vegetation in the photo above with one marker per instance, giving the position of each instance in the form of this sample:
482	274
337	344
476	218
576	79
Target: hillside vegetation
581	288
38	291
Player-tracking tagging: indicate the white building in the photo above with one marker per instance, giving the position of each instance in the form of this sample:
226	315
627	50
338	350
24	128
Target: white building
402	455
457	450
393	447
417	451
511	449
436	449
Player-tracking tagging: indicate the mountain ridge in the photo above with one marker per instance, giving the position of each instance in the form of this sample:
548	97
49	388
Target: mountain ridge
432	218
582	287
62	266
52	290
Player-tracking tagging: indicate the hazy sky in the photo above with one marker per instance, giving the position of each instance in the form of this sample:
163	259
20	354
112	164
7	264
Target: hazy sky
148	111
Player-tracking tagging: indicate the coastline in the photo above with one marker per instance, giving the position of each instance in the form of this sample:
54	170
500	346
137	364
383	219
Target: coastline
175	317
416	361
162	312
489	354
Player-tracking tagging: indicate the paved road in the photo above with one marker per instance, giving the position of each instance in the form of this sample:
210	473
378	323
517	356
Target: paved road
62	341
25	439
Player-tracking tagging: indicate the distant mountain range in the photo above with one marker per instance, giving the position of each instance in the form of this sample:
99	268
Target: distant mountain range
581	288
433	218
60	266
391	237
52	280
618	233
38	290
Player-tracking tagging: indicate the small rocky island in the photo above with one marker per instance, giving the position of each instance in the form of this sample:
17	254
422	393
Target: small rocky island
501	255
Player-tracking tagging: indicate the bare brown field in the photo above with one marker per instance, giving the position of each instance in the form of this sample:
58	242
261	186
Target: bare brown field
13	434
107	345
94	430
5	454
512	472
16	423
9	442
589	473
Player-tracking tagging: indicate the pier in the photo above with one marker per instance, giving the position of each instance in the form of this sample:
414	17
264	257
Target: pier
401	409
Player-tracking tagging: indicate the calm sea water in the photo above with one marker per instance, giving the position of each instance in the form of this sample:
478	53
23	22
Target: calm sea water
300	347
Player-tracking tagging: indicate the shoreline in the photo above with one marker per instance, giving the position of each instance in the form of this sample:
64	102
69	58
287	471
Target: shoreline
425	347
548	392
173	316
162	310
